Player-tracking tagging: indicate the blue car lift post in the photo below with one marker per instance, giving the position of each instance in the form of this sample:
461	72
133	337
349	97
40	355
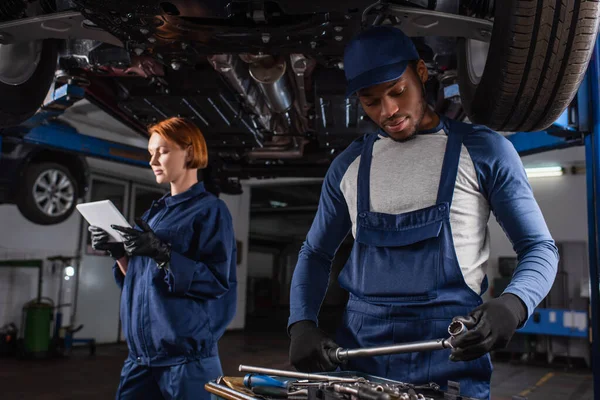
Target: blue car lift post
592	145
585	132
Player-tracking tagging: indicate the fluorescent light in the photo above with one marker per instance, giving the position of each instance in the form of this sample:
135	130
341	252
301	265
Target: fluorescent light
70	271
544	172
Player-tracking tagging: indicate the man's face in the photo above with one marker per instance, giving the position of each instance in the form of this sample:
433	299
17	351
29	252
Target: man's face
397	106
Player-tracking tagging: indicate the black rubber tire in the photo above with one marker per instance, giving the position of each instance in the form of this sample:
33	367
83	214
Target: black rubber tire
26	203
538	55
19	102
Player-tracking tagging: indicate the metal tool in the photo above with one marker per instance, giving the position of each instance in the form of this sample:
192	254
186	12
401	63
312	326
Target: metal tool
298	375
456	328
361	392
278	392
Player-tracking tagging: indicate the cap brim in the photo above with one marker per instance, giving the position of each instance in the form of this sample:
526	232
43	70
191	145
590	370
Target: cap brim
376	76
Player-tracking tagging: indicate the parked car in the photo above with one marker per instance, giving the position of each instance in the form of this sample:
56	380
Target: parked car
44	183
264	79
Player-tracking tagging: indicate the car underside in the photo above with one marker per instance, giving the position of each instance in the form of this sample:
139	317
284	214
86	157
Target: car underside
264	80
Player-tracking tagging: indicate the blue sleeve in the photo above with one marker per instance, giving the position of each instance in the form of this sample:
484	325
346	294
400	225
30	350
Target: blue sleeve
207	274
503	181
119	277
329	229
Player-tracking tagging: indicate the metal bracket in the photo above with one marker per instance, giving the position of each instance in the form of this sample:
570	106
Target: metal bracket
419	22
62	25
66	138
56	104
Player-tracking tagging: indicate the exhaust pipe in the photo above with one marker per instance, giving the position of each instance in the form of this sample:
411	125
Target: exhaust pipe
272	82
262	83
236	73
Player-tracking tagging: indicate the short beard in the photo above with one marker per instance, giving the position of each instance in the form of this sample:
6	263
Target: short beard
415	128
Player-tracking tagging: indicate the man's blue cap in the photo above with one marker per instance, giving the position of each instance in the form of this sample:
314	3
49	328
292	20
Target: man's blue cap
376	55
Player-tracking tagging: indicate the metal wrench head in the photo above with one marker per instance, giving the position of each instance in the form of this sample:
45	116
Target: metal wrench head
456	328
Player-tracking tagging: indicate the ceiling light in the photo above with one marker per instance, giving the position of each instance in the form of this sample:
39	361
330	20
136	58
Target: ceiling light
544	172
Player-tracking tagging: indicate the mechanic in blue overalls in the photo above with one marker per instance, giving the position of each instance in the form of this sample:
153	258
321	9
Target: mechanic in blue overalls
177	271
416	196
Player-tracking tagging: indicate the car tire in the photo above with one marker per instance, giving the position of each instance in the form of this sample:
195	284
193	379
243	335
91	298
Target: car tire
537	58
19	101
35	178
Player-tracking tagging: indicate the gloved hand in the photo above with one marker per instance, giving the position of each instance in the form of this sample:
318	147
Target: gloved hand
308	348
144	242
100	242
490	326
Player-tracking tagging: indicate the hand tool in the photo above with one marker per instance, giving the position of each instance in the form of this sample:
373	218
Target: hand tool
254	380
298	375
456	328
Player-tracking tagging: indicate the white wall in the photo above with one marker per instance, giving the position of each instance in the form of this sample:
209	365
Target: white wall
239	207
563	201
24	240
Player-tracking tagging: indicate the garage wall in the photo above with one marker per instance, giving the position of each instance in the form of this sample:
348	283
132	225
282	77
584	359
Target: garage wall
563	201
239	207
21	240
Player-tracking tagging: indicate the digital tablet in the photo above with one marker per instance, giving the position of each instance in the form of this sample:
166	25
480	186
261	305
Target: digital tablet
103	214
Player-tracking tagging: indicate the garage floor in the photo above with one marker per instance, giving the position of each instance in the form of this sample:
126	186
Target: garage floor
83	377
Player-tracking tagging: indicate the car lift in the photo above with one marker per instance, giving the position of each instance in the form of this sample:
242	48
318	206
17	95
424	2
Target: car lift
44	129
583	129
592	146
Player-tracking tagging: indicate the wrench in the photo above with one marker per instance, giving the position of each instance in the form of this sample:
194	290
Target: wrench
456	328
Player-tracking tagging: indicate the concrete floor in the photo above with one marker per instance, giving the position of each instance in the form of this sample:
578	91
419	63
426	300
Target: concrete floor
95	378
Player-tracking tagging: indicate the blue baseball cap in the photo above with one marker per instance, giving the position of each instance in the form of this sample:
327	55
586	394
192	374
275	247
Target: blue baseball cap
376	55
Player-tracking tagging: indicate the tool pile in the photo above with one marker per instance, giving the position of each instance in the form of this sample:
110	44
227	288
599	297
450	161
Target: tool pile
335	389
271	384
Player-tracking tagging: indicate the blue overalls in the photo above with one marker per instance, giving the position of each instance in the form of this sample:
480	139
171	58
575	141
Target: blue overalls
406	285
173	318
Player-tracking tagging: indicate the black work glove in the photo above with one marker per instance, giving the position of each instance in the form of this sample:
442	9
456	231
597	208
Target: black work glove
100	241
308	348
144	242
490	326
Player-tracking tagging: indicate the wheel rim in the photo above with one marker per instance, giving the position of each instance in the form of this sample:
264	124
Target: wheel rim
19	61
53	193
477	52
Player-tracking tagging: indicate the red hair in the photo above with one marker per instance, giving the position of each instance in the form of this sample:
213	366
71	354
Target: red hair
184	133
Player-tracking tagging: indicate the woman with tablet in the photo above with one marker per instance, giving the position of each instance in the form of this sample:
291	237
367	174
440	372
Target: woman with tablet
177	271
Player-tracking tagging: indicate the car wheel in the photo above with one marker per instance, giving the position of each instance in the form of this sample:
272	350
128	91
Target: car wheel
26	73
536	60
49	194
